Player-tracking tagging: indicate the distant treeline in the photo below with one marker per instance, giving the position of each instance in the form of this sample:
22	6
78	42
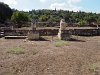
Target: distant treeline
44	15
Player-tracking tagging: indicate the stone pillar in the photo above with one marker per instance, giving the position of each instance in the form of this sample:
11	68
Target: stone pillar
33	26
63	34
62	25
33	34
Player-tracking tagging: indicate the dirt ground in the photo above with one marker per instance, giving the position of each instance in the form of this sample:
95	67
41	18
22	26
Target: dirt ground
44	58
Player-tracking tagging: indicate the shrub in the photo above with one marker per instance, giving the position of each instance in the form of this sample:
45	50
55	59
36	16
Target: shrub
16	50
60	43
94	67
82	23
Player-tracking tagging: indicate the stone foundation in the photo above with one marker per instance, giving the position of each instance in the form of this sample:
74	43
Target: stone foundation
33	35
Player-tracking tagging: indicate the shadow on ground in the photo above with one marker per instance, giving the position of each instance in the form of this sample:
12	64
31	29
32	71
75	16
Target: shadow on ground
76	40
40	39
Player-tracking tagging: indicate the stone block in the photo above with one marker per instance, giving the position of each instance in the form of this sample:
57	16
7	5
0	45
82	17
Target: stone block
33	35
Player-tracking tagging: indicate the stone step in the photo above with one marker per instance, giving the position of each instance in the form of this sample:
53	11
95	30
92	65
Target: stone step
15	37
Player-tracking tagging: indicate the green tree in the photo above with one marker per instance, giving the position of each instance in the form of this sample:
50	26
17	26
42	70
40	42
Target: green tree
20	18
82	23
98	20
69	16
5	12
43	18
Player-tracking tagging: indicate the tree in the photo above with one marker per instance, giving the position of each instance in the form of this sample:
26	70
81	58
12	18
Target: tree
5	12
20	18
56	15
43	18
82	23
98	20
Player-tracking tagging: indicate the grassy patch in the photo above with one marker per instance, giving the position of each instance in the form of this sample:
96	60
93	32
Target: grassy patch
94	67
16	50
60	43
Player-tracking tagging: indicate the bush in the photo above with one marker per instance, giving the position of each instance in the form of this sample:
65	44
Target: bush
82	23
93	67
19	17
16	50
60	43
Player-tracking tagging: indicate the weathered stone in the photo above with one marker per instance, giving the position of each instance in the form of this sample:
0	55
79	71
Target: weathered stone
33	26
63	33
33	35
63	24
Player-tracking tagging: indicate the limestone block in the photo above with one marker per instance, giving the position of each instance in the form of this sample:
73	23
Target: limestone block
59	36
33	35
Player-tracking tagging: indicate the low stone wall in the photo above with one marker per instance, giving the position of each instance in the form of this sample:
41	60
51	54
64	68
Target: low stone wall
44	32
16	32
48	32
1	33
85	32
52	32
5	28
64	35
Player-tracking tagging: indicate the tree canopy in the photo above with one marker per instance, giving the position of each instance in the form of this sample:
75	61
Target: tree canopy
69	16
5	12
79	17
19	17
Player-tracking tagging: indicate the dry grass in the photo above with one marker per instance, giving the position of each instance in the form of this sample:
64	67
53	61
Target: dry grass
61	43
16	50
94	66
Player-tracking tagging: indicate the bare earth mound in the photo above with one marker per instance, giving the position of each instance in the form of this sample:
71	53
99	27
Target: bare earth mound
44	58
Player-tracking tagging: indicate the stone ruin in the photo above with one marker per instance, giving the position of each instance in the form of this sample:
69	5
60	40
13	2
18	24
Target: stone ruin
62	25
33	34
63	34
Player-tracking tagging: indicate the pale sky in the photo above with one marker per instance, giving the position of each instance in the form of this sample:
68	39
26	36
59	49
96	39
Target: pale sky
75	5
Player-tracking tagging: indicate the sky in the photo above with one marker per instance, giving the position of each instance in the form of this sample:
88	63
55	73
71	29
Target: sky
72	5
